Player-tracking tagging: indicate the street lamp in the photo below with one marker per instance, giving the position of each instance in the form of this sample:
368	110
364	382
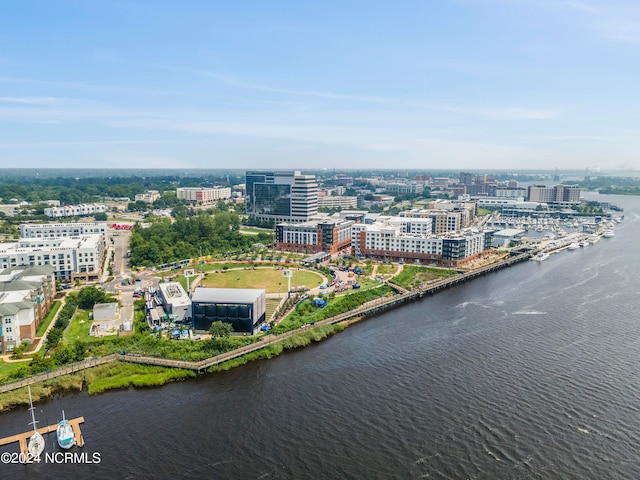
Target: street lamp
279	283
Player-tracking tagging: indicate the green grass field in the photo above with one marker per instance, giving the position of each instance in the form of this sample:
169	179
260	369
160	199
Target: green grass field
79	326
47	320
267	278
7	368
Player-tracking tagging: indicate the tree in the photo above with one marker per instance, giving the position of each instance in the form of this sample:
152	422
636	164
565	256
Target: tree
220	329
89	296
100	217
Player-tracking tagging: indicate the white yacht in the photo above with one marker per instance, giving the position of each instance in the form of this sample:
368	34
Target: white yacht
608	234
541	257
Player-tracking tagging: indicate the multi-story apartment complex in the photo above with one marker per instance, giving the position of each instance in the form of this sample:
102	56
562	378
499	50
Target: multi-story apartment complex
331	236
447	216
81	210
337	201
71	257
149	196
404	188
53	230
390	239
558	195
26	294
281	196
203	196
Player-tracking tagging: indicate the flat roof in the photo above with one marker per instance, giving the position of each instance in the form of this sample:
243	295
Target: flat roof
509	232
226	295
174	294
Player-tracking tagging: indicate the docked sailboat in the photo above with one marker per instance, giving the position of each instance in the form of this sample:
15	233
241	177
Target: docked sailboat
35	447
64	433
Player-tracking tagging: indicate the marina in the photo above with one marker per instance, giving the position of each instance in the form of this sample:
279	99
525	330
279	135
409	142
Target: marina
22	438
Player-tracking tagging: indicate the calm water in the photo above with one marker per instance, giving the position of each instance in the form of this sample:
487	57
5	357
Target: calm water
531	373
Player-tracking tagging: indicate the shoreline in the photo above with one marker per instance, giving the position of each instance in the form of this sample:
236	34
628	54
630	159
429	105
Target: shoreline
74	376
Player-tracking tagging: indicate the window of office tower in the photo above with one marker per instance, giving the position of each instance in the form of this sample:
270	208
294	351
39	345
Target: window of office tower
272	199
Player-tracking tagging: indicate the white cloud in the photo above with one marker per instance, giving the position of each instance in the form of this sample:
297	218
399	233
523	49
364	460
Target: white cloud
30	100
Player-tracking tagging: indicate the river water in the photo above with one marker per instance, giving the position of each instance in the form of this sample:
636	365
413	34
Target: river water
528	373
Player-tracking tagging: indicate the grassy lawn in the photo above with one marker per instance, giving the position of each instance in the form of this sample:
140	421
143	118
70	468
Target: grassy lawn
267	278
387	269
411	276
7	368
79	327
47	320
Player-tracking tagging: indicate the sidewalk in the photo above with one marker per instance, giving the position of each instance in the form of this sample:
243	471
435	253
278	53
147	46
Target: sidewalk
40	340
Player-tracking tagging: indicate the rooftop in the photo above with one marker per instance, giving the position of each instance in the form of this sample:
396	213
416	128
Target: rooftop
226	295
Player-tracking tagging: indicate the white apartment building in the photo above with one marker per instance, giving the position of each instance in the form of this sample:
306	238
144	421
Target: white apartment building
202	195
15	314
72	257
54	230
404	188
337	201
81	210
149	196
558	195
26	295
410	240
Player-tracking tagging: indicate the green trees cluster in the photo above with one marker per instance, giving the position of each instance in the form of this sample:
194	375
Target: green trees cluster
55	334
75	189
165	242
89	296
220	329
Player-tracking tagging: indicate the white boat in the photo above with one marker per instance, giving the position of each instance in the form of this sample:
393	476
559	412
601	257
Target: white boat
541	257
64	433
608	234
594	238
584	243
574	246
35	447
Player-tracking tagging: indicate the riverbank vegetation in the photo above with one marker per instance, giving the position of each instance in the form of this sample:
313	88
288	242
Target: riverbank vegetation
308	312
298	340
116	375
412	276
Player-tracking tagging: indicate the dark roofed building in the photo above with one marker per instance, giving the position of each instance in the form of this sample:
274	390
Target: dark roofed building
244	309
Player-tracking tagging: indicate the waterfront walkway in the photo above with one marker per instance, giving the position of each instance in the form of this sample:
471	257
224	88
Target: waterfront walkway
370	308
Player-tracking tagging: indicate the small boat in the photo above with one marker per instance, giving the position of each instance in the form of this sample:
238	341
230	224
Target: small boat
608	234
573	246
35	447
541	257
64	433
584	243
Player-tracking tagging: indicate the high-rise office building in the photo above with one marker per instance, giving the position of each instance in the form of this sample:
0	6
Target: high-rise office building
281	196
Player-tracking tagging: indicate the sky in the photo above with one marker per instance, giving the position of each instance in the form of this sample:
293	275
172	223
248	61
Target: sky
429	84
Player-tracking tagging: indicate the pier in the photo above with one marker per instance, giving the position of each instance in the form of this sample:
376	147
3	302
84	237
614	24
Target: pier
370	308
22	438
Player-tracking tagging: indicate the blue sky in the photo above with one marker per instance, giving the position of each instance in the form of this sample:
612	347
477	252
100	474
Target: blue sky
486	84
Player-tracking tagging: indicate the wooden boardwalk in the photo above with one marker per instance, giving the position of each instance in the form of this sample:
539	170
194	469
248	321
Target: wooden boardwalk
22	438
370	308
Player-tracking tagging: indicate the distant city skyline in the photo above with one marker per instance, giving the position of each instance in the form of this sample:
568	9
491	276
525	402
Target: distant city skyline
456	84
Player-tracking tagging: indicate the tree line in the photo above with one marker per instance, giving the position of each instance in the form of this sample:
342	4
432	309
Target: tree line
165	242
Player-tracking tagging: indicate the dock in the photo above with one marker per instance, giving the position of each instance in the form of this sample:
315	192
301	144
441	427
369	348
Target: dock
23	437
